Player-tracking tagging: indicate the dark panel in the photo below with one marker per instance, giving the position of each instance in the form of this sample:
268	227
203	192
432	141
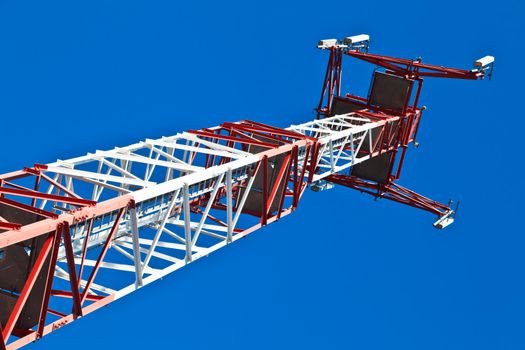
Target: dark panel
13	268
7	303
18	216
31	312
255	197
344	106
389	91
15	265
375	169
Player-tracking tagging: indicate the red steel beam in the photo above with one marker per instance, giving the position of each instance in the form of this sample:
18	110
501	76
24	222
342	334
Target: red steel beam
278	181
56	313
66	294
261	129
296	184
255	131
407	66
7	183
71	269
28	208
52	197
4	225
28	286
44	309
286	178
264	216
392	192
280	131
230	138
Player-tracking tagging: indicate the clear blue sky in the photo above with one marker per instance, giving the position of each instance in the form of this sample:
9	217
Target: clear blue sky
342	272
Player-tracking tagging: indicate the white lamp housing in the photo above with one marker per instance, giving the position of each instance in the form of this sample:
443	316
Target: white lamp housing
327	43
483	62
356	39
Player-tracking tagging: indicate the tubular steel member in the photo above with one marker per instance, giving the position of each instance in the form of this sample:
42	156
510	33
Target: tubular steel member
395	91
89	230
77	234
86	231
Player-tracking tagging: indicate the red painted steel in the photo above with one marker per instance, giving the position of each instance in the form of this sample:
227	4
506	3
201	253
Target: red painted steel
395	131
20	303
37	195
414	70
4	225
44	310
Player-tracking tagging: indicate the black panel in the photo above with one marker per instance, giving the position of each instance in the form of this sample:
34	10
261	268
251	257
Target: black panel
389	91
254	201
17	216
15	265
375	169
344	106
7	303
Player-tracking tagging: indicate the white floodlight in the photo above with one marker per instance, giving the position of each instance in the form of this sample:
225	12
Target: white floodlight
483	62
357	39
445	220
327	43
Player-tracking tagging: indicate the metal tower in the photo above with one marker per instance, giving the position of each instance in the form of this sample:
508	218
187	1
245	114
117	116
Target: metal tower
393	97
78	234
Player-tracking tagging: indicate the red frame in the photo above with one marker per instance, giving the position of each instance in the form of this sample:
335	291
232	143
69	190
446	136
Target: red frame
410	117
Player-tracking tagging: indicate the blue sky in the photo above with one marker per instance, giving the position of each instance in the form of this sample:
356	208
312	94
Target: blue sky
342	272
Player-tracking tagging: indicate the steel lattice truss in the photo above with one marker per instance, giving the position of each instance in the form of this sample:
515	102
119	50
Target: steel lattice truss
148	209
77	234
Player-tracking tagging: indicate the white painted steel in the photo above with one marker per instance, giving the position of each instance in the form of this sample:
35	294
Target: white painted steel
356	39
162	234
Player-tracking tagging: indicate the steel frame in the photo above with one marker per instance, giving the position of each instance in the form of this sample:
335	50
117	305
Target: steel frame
140	212
409	121
115	221
157	204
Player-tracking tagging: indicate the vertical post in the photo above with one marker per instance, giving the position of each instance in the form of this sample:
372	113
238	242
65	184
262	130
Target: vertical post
187	221
89	228
37	186
160	229
49	282
285	179
70	257
313	161
148	166
352	148
264	191
339	71
136	244
229	204
303	172
169	171
69	187
296	182
325	86
95	188
332	160
331	79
